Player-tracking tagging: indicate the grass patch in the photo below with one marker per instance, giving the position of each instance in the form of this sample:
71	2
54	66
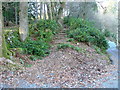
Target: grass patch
34	57
64	46
70	40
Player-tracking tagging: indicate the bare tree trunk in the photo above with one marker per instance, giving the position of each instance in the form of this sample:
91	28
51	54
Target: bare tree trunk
36	4
52	10
56	9
44	12
63	12
49	11
16	15
84	14
23	29
41	5
1	29
60	11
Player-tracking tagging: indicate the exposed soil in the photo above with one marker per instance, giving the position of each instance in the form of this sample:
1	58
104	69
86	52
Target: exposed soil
64	68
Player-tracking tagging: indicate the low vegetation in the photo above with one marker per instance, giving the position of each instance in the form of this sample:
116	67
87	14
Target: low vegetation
44	29
37	44
84	31
65	45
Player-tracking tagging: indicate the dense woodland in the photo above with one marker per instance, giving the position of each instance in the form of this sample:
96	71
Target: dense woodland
31	31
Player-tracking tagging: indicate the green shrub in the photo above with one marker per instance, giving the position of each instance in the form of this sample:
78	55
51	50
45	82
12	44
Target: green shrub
64	46
37	44
66	20
70	40
13	39
84	31
39	47
107	33
44	29
91	35
33	47
48	24
74	23
79	35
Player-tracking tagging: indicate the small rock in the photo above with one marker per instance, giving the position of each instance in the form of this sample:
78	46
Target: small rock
9	61
77	43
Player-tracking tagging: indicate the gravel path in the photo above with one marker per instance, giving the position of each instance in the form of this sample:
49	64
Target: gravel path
65	69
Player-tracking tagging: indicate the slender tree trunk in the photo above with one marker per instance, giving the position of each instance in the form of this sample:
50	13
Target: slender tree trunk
56	10
60	11
1	29
41	5
49	11
23	29
63	12
52	10
44	12
36	6
16	15
84	10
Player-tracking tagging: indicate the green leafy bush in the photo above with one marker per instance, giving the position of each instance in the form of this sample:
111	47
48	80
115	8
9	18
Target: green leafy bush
70	40
13	39
107	33
74	23
93	36
33	47
79	35
44	29
66	20
84	31
37	44
39	47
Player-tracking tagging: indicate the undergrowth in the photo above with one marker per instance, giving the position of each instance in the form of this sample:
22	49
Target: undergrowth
44	29
85	31
65	45
37	43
